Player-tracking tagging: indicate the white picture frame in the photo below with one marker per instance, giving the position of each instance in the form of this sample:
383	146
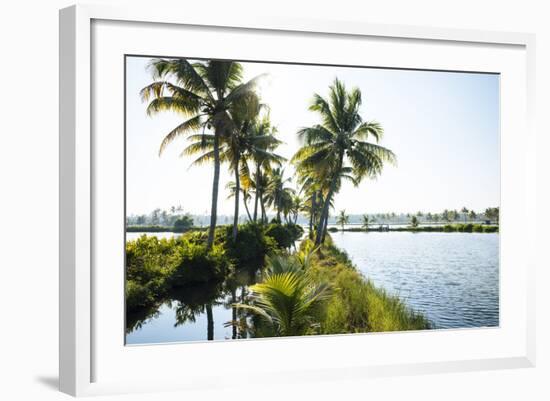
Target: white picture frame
84	351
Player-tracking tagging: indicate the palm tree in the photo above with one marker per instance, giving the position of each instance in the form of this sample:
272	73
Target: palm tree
365	222
414	222
342	219
339	140
202	92
287	299
278	196
464	212
263	158
472	215
232	188
243	144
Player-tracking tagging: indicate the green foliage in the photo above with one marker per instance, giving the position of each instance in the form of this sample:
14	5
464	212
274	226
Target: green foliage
284	235
149	262
251	247
196	264
288	300
148	229
184	223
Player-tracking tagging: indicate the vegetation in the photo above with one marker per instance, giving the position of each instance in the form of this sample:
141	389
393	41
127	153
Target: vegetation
343	219
288	299
273	288
463	228
204	93
321	292
155	266
338	149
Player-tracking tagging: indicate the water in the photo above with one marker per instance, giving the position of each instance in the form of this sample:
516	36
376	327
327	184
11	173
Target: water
453	278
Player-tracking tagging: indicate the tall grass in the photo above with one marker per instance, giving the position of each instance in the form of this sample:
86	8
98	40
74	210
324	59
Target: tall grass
358	305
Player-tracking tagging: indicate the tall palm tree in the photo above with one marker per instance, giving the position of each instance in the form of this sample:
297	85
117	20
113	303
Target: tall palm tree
338	148
244	144
464	212
278	196
365	222
202	92
264	159
342	219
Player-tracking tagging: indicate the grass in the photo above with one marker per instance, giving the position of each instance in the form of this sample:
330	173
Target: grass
358	305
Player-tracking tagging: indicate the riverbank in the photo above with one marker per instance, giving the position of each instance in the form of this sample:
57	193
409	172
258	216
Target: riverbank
447	228
358	305
160	270
162	229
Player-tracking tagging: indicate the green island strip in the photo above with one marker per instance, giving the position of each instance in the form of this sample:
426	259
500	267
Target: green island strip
447	228
289	292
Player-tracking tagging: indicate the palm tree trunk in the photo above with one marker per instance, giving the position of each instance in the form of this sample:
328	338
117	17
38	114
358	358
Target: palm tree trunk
312	212
257	197
324	214
325	229
210	324
237	193
215	185
246	208
262	206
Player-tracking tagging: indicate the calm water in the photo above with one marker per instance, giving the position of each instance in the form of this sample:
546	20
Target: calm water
453	278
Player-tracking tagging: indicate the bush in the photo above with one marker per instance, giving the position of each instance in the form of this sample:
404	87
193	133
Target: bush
250	248
183	223
198	265
284	235
448	228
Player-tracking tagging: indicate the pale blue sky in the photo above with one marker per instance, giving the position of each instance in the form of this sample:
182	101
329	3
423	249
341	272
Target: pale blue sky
442	126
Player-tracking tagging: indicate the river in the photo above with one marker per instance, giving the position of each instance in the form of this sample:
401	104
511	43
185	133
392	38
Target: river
453	278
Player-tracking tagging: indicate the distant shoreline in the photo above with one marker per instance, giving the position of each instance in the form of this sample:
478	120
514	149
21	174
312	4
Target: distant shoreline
448	228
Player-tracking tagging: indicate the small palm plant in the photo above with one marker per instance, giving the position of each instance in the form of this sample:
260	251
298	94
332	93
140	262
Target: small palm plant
288	299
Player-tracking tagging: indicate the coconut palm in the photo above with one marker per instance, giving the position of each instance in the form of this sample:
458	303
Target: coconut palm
264	159
232	188
243	143
287	299
342	219
365	222
277	195
338	148
472	215
464	212
202	92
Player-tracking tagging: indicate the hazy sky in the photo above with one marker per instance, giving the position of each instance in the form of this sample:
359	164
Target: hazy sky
442	126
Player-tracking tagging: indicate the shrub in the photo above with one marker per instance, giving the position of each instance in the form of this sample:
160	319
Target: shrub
490	229
448	228
183	223
250	248
284	235
198	265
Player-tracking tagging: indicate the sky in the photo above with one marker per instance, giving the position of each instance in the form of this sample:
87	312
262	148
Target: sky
442	126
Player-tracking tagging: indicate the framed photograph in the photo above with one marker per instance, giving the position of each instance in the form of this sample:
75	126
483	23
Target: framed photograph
309	199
